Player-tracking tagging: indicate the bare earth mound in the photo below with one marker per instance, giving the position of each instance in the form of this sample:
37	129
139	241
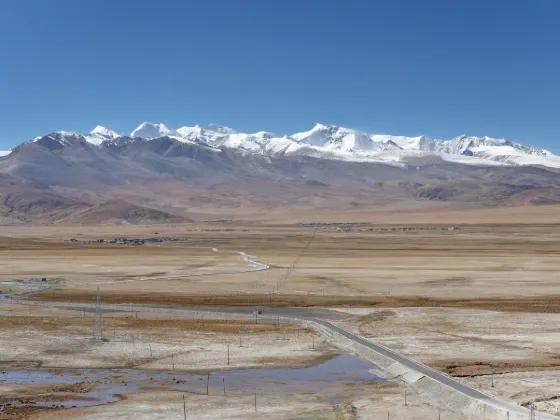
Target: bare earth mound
121	211
537	196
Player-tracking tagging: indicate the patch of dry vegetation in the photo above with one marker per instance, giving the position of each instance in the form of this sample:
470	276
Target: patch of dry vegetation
536	304
467	368
80	324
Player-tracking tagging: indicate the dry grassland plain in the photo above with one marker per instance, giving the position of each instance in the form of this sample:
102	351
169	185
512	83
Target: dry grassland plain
481	303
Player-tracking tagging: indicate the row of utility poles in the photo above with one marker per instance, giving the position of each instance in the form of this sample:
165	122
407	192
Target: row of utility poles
223	380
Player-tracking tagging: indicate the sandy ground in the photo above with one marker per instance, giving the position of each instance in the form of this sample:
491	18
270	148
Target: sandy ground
169	405
50	338
539	387
57	339
474	262
478	301
466	342
77	262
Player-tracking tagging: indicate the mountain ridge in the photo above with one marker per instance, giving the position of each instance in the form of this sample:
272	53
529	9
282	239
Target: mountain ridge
330	142
216	172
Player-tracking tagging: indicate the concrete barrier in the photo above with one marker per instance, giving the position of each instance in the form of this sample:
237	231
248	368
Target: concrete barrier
429	389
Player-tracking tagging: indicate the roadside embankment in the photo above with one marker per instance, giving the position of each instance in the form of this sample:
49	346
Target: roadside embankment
434	387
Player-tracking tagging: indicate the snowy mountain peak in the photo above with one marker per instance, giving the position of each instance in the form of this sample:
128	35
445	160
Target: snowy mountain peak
328	127
319	126
59	139
190	132
104	133
149	130
186	131
210	134
217	128
337	138
264	134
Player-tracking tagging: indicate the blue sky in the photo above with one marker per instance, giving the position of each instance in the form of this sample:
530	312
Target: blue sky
434	67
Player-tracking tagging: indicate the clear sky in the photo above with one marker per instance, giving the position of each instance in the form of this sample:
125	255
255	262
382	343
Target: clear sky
435	67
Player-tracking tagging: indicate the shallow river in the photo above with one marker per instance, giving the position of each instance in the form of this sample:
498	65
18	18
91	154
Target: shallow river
337	379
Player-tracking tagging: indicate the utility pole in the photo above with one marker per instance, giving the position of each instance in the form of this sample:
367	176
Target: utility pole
492	376
207	383
405	397
228	354
98	319
184	408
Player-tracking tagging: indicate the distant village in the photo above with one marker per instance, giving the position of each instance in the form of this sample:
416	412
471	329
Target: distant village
125	241
366	227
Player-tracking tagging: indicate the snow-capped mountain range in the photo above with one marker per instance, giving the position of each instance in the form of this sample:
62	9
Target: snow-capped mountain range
327	142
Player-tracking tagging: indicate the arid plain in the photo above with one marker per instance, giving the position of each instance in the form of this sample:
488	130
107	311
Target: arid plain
475	298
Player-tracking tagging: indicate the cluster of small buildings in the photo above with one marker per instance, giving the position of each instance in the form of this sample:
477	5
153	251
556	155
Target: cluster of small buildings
366	227
126	241
216	230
